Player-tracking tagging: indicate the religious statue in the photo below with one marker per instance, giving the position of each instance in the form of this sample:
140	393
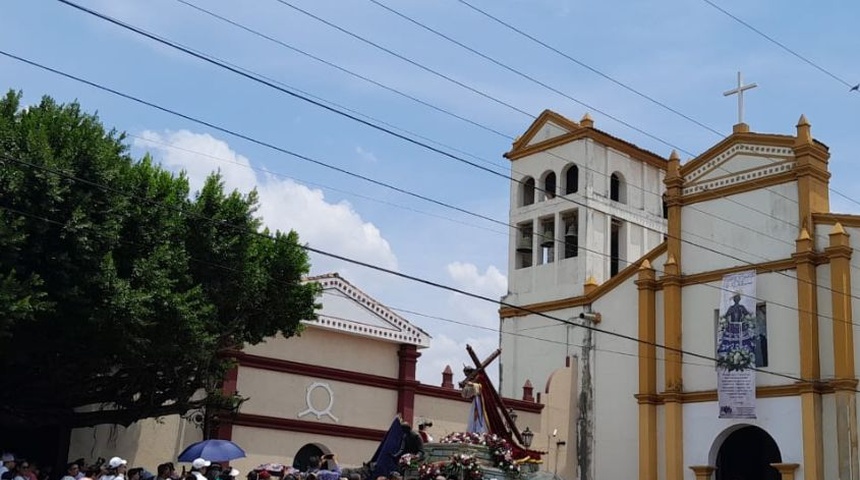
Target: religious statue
736	336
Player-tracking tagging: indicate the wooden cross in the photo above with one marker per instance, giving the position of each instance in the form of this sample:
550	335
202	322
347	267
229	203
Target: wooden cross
739	91
496	399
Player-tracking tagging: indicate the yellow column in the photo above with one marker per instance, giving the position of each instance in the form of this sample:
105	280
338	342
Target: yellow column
786	470
845	383
702	472
810	371
813	194
647	397
674	385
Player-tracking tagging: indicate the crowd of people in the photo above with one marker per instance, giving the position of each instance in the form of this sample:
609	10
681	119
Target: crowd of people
319	468
17	468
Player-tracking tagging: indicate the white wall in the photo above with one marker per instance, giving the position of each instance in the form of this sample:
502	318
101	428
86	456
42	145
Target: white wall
723	233
779	417
616	381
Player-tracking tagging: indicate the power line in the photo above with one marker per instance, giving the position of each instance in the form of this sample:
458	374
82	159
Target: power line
388	271
588	67
780	45
376	182
255	78
256	141
342	69
268	82
316	184
527	76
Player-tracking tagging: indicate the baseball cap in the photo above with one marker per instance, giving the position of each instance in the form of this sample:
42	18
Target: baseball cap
8	457
200	463
234	472
117	462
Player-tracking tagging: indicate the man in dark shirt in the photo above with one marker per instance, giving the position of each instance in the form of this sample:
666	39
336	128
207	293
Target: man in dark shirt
411	443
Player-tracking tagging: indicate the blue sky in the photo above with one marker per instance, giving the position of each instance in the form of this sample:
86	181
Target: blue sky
683	53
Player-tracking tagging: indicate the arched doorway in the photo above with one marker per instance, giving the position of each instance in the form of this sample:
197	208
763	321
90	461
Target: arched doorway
300	460
746	454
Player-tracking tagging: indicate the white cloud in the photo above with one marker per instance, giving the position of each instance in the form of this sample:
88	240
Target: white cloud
492	283
366	155
284	203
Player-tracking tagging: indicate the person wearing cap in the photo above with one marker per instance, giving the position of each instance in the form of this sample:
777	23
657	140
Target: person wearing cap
198	468
116	468
8	464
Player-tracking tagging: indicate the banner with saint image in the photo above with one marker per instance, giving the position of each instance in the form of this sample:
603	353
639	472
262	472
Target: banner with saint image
736	342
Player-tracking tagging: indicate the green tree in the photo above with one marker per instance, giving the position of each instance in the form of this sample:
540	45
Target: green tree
117	290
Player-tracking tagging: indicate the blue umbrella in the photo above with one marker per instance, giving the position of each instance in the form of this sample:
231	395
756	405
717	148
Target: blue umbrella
212	450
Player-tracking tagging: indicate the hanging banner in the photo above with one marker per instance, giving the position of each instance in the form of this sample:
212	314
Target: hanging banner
736	346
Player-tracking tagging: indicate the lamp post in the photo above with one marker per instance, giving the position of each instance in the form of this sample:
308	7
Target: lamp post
527	435
513	414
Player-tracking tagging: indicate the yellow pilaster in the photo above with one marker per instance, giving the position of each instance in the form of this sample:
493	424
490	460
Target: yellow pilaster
674	384
811	172
786	470
812	197
702	472
810	368
647	397
839	253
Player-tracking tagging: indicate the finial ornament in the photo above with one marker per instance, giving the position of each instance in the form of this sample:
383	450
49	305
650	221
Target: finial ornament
739	91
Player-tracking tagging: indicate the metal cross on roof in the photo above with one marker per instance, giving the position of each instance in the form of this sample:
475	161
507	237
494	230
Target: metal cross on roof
740	93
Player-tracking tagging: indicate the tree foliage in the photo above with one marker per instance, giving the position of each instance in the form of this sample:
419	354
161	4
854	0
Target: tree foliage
117	289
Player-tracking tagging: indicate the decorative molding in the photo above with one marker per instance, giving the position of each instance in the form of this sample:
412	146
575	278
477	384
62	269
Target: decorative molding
359	378
312	409
626	213
317	428
449	394
521	147
599	291
402	332
735	178
315	371
766	151
734	189
771	391
747	138
764	267
847	220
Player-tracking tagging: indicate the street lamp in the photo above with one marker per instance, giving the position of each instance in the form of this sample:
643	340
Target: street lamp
527	436
513	414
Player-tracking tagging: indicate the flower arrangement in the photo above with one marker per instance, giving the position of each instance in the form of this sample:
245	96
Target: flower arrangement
737	358
409	460
499	448
467	465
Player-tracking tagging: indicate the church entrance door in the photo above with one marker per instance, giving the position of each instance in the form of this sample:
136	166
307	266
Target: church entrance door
746	454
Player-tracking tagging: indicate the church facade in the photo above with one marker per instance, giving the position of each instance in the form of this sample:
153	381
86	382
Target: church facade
650	400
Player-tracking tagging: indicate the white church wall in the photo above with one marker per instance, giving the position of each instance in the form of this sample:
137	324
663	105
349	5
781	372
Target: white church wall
616	381
534	347
828	430
779	417
763	234
825	322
